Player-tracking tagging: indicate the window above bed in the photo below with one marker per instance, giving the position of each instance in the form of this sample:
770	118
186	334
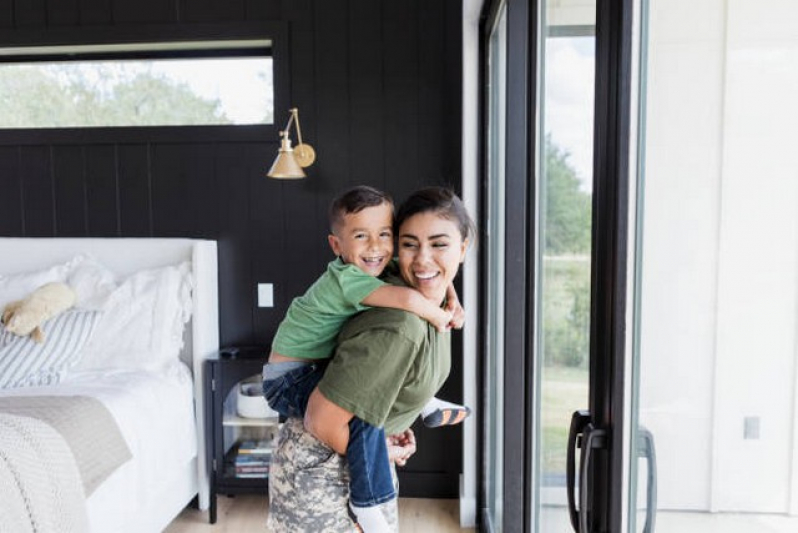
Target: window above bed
143	84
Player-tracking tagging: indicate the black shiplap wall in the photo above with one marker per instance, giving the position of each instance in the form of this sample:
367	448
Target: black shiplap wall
378	86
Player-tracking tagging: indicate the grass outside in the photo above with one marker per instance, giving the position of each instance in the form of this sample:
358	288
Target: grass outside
564	390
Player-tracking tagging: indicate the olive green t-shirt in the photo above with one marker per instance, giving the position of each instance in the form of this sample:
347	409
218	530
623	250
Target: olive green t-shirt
387	366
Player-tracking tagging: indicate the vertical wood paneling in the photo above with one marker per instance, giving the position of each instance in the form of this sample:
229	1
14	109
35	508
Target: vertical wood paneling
30	13
145	11
70	191
452	94
101	191
367	137
331	30
305	245
269	247
431	70
236	165
63	13
263	9
6	14
400	57
211	10
332	90
10	201
185	195
37	191
133	170
95	12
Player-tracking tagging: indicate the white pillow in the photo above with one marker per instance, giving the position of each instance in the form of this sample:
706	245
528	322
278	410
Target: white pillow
92	281
143	320
18	286
24	363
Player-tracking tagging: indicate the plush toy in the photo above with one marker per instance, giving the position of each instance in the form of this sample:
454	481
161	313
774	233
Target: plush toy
25	317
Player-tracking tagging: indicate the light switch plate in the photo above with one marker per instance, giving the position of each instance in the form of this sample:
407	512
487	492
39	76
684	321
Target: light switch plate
265	295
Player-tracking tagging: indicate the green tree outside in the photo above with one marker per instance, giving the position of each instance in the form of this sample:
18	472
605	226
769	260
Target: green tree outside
109	94
566	262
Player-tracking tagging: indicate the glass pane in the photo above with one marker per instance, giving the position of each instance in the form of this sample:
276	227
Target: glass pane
497	76
563	262
717	290
136	92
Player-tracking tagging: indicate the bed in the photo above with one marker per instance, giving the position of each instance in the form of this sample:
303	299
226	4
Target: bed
150	307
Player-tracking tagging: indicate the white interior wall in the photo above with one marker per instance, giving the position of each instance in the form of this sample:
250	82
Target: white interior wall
720	252
470	162
758	257
681	212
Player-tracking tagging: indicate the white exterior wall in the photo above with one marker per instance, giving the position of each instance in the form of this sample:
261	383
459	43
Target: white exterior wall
720	253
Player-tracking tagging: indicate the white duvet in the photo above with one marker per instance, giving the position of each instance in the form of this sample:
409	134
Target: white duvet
155	414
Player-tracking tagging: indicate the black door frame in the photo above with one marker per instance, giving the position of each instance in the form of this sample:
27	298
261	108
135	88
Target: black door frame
519	274
609	258
608	262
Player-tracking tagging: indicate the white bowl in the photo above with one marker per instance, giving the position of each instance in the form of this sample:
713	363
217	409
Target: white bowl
250	402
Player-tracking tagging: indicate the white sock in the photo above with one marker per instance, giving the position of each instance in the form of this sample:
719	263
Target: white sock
371	519
435	404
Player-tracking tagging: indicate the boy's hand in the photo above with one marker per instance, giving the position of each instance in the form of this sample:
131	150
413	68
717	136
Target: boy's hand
401	447
442	320
453	306
457	313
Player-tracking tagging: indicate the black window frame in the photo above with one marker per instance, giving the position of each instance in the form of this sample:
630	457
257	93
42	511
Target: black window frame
276	32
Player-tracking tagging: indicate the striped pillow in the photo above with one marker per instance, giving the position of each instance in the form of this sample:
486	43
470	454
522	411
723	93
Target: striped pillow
24	363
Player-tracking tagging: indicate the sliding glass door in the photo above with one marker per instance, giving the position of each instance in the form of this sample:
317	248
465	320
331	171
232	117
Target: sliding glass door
562	259
650	249
495	243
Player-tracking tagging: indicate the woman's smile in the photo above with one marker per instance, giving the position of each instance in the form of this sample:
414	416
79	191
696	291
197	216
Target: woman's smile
430	252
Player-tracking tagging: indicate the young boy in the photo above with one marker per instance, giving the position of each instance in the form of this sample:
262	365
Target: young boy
361	236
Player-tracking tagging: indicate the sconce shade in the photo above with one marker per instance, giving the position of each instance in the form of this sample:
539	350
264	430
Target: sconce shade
285	165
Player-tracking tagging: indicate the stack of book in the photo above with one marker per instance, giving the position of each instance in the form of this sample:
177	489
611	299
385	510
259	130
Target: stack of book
253	459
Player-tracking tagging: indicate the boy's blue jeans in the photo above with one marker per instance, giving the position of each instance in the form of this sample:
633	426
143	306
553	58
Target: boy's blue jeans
287	387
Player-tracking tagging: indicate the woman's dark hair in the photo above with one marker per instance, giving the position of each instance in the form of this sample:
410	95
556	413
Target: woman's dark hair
355	200
438	200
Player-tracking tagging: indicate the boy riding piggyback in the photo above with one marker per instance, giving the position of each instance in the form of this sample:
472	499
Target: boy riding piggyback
361	224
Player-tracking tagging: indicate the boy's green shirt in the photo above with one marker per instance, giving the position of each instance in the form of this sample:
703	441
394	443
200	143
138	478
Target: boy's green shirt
314	319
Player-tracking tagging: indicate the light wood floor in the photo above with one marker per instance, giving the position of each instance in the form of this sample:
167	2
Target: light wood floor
247	512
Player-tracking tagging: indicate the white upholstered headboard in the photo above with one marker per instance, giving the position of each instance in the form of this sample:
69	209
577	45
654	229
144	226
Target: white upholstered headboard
125	256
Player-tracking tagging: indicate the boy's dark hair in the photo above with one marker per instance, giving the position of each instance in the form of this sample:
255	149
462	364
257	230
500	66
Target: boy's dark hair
440	200
355	200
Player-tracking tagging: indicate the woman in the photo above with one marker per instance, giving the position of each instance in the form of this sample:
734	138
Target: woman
387	365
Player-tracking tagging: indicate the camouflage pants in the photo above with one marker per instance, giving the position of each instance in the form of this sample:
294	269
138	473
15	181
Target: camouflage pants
309	486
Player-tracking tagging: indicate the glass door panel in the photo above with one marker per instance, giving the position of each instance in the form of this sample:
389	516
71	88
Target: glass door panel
715	383
563	259
496	159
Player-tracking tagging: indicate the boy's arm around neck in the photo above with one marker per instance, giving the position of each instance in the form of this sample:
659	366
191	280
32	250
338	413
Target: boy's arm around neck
412	301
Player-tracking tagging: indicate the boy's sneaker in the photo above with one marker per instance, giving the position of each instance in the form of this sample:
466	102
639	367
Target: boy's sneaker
440	413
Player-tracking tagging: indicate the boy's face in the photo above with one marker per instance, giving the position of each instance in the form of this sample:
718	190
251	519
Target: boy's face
365	238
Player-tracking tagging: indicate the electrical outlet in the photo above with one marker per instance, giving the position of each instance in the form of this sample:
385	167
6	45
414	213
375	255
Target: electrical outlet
751	428
265	295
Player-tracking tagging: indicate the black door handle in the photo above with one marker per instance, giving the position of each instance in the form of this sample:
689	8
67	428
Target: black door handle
592	438
646	450
584	435
579	420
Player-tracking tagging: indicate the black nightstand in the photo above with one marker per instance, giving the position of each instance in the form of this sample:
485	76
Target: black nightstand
239	446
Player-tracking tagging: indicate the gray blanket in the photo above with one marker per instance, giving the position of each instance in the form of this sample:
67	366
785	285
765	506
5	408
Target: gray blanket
87	427
40	487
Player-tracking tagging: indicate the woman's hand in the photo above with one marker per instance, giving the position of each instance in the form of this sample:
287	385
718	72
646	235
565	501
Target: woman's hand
401	447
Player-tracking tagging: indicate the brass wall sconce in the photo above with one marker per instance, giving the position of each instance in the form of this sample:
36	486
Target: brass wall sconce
290	161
